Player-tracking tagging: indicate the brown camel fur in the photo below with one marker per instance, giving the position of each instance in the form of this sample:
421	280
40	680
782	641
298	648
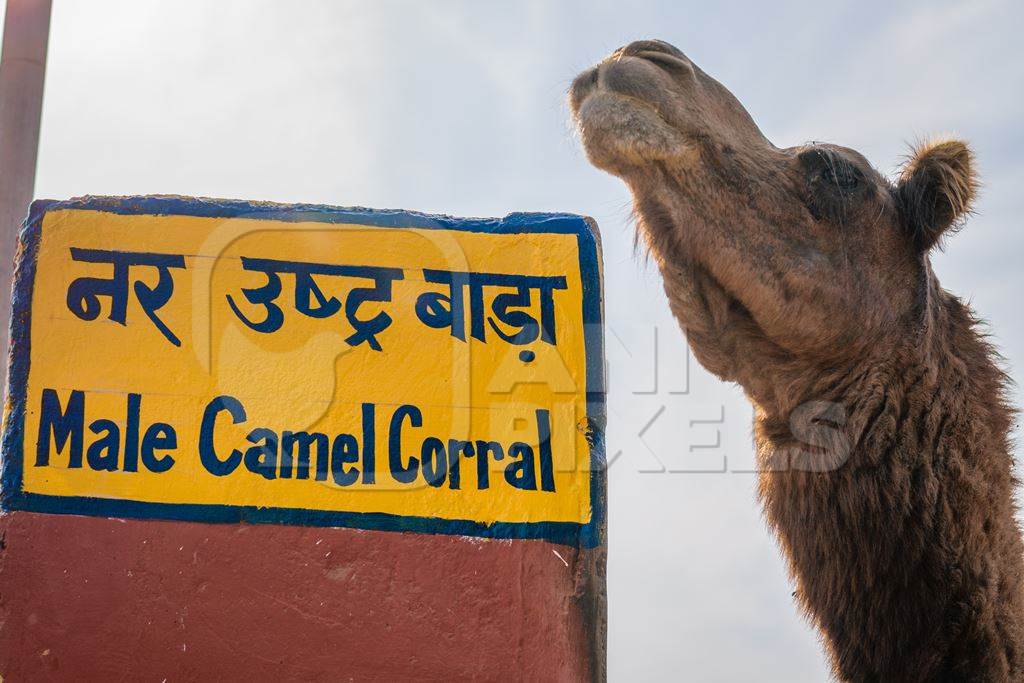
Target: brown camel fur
881	417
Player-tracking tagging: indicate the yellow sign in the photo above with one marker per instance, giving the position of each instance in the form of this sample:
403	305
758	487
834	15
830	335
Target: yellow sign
224	361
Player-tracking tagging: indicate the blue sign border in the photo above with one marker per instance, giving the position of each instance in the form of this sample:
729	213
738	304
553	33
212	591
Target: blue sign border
12	497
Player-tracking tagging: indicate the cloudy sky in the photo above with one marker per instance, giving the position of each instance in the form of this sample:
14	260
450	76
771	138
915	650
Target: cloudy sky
458	107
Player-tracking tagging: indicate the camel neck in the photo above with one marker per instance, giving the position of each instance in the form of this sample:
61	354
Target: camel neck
893	499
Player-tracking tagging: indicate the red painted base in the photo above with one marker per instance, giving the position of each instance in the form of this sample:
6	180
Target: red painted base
87	599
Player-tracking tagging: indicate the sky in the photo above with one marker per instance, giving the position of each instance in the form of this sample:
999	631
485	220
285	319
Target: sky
459	108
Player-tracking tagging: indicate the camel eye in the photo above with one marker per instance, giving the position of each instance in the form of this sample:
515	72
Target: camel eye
832	184
825	169
842	175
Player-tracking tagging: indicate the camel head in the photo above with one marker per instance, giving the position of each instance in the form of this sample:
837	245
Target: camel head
798	257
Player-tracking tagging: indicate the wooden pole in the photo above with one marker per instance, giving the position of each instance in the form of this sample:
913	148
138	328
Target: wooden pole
22	69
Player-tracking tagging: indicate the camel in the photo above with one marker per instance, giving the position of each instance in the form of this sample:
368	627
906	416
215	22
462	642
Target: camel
881	417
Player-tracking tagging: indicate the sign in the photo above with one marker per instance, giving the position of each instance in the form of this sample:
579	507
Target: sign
224	361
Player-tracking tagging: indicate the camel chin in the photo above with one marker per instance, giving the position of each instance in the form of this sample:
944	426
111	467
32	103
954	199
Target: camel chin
618	129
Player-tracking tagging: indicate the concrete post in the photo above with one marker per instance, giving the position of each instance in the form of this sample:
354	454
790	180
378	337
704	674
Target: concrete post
22	69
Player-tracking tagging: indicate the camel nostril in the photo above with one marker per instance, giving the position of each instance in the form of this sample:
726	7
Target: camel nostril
638	47
657	52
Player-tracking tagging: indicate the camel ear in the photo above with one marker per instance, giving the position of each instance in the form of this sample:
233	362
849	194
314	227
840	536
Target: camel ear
935	190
